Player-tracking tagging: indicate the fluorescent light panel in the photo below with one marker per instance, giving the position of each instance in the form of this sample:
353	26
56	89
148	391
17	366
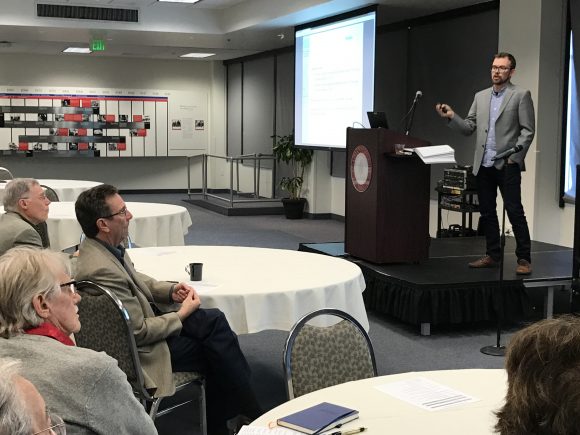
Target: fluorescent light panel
179	1
198	55
83	50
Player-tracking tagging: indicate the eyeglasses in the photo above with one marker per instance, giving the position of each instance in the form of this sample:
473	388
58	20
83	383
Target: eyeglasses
58	426
501	69
72	286
121	212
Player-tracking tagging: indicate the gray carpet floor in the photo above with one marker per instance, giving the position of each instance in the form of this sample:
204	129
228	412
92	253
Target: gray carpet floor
398	347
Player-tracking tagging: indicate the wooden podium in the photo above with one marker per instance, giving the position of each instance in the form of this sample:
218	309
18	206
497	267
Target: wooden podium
387	198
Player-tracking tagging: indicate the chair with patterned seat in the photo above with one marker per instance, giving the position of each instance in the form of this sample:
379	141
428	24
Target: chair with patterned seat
324	348
99	307
5	174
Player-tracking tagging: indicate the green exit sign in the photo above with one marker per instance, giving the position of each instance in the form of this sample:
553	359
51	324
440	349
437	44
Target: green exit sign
98	45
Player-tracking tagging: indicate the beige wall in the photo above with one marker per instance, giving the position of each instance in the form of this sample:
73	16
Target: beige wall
83	71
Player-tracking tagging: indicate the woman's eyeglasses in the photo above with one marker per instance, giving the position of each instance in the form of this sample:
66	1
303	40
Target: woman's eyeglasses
58	427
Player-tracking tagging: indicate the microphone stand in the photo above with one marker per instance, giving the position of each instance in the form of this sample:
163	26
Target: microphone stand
498	349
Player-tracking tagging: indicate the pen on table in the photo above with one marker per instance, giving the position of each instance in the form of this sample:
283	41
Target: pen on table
350	432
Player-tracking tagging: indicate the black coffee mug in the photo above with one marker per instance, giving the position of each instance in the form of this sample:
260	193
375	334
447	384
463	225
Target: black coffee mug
195	271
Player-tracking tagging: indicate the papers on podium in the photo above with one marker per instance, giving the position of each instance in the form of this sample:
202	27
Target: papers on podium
318	418
436	154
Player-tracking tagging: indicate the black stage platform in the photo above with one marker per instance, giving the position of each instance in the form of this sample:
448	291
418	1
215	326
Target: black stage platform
444	290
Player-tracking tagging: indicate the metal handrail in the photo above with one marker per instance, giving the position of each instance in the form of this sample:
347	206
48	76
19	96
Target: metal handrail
255	157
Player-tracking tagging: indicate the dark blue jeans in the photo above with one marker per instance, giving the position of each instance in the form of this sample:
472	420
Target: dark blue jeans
508	180
208	345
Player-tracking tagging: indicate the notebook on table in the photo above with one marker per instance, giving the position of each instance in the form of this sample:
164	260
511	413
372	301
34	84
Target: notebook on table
318	418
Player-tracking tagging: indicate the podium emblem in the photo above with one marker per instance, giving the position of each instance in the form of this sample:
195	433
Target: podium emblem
361	168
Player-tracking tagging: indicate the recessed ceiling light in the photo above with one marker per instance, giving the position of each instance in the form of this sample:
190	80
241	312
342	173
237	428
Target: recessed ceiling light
198	55
179	1
83	50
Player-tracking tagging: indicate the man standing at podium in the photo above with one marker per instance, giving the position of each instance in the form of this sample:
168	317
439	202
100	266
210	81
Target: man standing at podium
503	117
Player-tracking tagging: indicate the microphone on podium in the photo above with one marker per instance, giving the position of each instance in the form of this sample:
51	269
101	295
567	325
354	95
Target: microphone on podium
418	95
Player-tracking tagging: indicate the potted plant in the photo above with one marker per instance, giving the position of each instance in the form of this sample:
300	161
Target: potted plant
298	159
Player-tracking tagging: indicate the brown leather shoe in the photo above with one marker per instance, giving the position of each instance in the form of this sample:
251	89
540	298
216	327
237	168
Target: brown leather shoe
524	267
486	261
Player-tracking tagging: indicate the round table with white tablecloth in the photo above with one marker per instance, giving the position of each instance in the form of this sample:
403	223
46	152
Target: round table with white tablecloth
153	224
67	190
382	413
259	288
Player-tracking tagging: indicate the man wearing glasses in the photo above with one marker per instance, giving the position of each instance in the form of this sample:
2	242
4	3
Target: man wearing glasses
26	208
189	338
503	117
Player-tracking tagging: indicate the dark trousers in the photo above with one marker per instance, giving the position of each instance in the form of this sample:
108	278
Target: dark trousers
208	345
508	180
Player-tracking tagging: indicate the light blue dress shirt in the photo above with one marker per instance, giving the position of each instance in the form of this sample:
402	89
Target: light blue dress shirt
490	145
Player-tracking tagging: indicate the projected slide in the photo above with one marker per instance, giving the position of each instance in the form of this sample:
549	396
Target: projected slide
334	79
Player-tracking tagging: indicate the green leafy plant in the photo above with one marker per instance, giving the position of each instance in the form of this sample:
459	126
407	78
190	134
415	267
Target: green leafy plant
298	158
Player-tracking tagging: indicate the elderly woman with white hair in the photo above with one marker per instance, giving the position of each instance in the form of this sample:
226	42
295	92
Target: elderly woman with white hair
38	314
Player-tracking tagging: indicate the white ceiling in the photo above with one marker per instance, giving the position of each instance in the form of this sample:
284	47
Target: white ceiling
228	28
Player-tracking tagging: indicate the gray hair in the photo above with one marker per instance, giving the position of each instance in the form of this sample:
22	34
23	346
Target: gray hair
14	417
15	190
26	272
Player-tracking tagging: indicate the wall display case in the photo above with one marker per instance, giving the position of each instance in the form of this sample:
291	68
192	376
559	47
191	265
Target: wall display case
116	123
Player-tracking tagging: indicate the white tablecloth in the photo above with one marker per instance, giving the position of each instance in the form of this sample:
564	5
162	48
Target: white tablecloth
152	224
260	288
67	190
383	414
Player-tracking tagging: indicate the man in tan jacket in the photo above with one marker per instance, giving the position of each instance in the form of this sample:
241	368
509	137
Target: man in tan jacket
25	207
188	339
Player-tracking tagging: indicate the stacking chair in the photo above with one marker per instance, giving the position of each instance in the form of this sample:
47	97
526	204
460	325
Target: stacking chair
42	228
50	193
106	327
324	348
5	174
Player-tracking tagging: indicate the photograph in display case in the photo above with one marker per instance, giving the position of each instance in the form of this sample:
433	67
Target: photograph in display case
112	147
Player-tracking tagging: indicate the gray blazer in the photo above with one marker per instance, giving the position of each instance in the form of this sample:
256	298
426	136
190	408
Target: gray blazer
515	124
15	231
86	388
97	264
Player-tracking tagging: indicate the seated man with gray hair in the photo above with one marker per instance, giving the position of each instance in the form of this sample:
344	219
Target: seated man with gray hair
22	408
26	208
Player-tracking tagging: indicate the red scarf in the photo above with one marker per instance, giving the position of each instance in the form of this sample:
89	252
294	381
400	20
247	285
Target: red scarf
47	329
